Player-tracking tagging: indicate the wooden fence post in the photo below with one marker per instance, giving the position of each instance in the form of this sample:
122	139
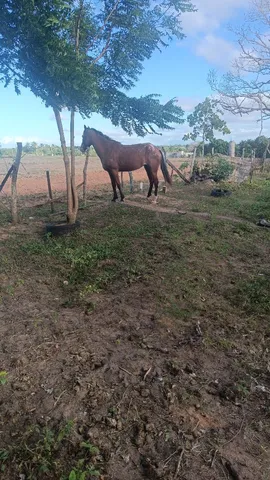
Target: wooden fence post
10	170
193	163
131	182
50	190
177	171
14	197
251	167
85	176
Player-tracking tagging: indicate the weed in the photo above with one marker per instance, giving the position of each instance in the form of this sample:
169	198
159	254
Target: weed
39	453
253	295
243	389
3	377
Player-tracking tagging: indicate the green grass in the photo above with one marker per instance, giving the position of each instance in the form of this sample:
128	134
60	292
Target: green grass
248	201
38	452
191	269
119	246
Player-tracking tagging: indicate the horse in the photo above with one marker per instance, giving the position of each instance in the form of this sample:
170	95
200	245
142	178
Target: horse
116	158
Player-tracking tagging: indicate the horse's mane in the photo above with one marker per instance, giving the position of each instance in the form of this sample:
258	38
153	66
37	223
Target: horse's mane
103	135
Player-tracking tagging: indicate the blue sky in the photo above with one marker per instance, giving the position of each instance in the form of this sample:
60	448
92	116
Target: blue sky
179	71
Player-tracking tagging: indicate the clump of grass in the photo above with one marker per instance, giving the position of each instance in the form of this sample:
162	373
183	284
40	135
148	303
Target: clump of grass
46	453
253	295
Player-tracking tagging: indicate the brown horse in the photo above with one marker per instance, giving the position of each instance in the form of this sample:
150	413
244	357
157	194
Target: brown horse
116	158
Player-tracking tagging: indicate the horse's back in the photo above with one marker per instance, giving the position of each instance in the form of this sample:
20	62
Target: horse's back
133	157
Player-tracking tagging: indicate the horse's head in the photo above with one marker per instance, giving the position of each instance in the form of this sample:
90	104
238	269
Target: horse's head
86	139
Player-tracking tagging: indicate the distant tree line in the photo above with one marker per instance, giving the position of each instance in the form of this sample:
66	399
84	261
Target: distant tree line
258	145
41	149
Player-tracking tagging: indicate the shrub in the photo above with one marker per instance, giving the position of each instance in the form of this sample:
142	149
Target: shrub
217	169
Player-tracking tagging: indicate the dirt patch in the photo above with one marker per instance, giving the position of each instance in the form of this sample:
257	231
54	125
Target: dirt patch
32	175
123	378
155	366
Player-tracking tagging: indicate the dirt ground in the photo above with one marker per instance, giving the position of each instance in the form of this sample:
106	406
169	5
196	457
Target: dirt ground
32	175
142	332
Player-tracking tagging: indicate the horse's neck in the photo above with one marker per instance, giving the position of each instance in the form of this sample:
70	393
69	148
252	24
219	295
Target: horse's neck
101	147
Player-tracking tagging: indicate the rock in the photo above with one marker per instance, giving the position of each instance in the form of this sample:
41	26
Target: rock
111	422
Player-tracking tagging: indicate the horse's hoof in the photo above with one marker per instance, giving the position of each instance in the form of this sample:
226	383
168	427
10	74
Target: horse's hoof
114	199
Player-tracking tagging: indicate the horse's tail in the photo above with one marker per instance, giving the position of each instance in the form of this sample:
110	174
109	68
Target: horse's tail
164	168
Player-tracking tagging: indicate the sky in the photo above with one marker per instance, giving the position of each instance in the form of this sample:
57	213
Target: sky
179	71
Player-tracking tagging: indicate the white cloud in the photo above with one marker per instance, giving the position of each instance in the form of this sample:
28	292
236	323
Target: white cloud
210	15
217	51
188	103
13	140
241	129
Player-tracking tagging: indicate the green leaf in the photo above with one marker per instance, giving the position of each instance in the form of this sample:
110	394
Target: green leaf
115	39
72	475
3	377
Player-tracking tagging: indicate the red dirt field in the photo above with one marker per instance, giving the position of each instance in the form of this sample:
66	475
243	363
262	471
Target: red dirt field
32	175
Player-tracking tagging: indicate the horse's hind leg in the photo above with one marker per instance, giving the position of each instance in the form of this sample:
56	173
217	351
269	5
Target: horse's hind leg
113	181
156	182
151	179
118	183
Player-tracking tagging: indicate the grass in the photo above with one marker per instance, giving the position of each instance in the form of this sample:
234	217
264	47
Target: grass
38	453
213	271
248	201
118	246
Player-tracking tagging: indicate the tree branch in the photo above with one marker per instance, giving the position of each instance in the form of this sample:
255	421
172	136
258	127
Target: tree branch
107	19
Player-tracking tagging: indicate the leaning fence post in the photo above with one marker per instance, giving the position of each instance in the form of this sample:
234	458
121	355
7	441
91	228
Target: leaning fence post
193	163
14	197
50	190
6	177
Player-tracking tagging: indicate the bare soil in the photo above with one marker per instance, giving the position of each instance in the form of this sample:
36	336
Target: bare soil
159	368
32	175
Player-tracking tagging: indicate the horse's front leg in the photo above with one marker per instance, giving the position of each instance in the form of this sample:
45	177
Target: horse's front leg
113	182
118	183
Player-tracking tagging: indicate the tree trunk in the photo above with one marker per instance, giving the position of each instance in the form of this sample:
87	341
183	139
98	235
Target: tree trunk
14	197
203	141
85	176
70	216
75	201
265	155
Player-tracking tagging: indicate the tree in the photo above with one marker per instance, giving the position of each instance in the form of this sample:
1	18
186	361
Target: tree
246	88
205	121
30	147
219	145
86	55
259	146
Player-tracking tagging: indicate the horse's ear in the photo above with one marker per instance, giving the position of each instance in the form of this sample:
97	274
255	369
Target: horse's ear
85	127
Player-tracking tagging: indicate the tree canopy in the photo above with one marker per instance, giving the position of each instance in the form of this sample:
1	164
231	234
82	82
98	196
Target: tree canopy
85	55
205	120
246	87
